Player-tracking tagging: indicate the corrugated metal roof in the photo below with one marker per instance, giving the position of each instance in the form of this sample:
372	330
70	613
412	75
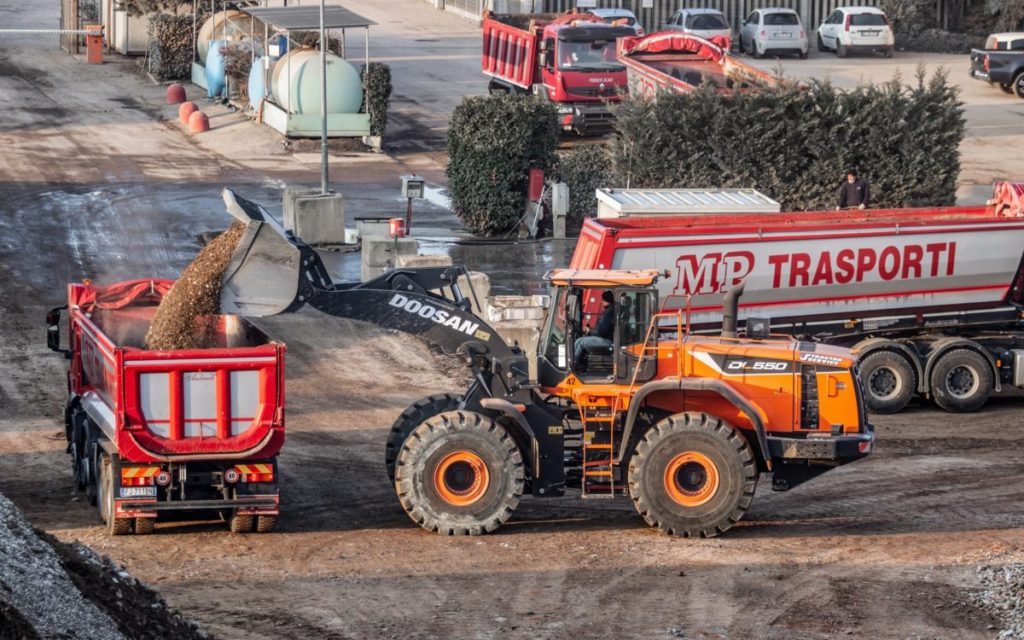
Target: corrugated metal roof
308	17
615	203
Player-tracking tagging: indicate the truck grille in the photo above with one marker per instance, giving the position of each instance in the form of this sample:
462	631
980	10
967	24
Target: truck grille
808	398
594	92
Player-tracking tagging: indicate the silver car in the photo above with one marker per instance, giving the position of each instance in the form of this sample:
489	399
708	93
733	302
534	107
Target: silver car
771	32
706	23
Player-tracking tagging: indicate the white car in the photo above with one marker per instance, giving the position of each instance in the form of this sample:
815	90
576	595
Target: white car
616	15
706	23
773	32
856	29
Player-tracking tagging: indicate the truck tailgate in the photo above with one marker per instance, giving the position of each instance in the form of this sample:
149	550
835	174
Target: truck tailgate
509	53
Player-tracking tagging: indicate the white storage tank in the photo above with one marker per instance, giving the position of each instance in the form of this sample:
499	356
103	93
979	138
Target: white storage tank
295	83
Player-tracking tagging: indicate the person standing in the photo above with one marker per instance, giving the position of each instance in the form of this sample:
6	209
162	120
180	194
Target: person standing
853	193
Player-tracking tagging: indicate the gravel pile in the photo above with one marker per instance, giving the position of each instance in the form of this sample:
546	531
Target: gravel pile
179	320
37	597
1003	595
49	589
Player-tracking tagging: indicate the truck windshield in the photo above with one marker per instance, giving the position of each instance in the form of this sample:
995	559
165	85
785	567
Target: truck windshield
598	55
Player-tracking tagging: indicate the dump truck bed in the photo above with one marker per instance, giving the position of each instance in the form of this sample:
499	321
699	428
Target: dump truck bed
221	402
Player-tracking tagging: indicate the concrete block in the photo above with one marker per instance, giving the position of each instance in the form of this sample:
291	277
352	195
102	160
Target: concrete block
525	333
437	260
506	308
319	219
373	227
288	203
382	254
480	291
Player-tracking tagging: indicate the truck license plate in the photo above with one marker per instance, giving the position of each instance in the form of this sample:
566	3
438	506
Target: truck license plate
138	492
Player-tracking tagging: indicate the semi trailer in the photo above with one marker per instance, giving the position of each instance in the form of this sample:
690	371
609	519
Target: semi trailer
567	59
682	424
169	431
932	299
683	62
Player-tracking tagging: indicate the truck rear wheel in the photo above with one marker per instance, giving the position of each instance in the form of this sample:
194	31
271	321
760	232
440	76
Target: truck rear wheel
459	473
144	526
115	526
961	381
889	381
265	524
693	475
414	415
239	523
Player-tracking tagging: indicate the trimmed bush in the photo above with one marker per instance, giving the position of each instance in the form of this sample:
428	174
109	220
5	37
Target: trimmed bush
376	95
584	170
794	144
170	46
493	142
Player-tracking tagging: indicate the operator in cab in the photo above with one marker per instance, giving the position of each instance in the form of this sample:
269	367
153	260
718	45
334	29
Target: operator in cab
600	336
853	194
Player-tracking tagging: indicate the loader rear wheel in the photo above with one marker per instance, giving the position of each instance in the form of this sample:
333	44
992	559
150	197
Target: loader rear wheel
889	380
412	417
459	473
693	475
265	524
239	523
115	526
961	381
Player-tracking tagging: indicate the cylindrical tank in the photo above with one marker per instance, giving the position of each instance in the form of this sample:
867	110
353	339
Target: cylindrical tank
257	86
300	93
223	25
215	68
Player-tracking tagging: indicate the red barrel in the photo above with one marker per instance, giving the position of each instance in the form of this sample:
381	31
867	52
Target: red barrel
397	228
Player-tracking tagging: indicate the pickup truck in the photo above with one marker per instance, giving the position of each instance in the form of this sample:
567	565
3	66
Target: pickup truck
1001	62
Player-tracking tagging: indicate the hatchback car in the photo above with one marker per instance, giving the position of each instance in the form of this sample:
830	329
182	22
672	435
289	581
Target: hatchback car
856	29
773	32
706	23
619	15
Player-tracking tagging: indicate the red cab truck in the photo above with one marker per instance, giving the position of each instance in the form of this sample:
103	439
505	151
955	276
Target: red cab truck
569	59
152	432
932	299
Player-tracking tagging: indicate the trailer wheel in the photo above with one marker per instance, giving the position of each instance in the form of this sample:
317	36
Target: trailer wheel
889	381
961	381
459	473
239	523
265	524
693	475
144	526
411	418
115	526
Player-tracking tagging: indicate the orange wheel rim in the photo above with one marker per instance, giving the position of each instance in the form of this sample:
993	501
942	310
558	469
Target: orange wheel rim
461	478
691	479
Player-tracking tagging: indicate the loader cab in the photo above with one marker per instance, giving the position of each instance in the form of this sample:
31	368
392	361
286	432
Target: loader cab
616	360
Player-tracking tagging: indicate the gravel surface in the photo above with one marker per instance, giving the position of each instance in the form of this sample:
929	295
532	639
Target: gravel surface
1003	595
35	588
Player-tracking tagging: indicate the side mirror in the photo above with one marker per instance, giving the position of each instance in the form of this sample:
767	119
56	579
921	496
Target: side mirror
53	332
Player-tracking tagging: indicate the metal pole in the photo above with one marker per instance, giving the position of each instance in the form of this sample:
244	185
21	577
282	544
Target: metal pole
323	103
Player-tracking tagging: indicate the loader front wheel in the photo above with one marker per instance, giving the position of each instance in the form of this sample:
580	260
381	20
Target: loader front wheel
459	473
693	475
412	417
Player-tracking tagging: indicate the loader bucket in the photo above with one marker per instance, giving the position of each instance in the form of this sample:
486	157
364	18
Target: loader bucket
262	278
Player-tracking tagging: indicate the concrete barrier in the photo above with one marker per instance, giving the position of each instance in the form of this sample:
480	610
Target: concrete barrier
382	254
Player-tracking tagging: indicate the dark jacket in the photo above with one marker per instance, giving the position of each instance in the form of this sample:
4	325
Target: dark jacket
605	324
853	194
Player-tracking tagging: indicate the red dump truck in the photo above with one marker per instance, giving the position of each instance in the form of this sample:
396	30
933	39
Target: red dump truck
152	432
932	299
568	59
682	62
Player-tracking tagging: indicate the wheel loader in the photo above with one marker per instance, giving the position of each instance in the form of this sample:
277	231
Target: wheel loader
684	425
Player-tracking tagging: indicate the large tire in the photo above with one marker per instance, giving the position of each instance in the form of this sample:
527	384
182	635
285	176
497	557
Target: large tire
889	381
414	415
115	526
1018	85
459	473
961	381
239	523
265	524
693	475
144	526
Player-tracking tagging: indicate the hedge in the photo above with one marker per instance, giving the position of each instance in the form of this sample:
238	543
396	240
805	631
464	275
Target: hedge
170	46
584	170
493	142
377	95
795	144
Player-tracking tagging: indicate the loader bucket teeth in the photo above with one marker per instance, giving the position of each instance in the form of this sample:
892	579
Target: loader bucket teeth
262	278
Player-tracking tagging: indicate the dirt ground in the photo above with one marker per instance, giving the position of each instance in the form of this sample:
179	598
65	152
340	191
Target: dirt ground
94	183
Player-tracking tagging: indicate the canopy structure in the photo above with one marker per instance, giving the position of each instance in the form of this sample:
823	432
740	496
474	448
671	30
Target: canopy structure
307	18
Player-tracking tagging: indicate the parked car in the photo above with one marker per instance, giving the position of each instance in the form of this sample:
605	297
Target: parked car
773	32
856	29
706	23
616	15
1001	62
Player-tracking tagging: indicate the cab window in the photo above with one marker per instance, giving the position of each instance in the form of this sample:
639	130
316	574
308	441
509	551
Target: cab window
554	347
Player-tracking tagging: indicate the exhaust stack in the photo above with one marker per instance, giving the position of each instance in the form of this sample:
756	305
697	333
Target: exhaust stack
730	310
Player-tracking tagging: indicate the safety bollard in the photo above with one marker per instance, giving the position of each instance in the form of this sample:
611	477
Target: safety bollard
94	43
